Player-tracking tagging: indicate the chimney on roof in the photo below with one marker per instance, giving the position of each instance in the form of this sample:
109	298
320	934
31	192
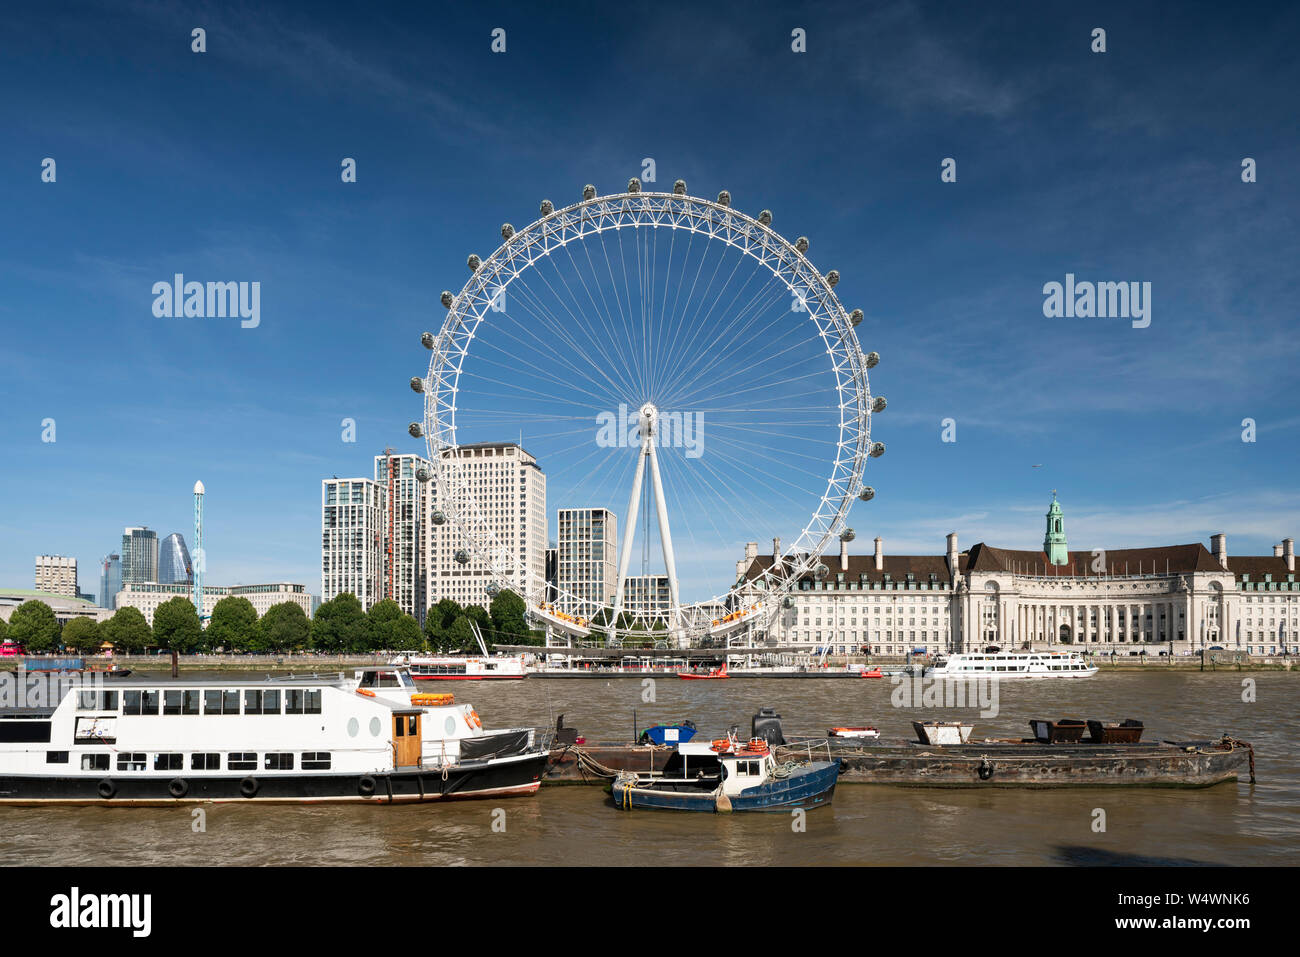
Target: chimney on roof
1277	551
1219	545
880	554
953	561
776	550
751	551
1288	552
844	555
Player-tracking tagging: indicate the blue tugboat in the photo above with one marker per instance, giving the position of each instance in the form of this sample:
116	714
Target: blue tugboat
728	776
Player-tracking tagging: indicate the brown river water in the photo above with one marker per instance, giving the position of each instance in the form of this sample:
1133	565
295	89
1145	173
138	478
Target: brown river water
1232	824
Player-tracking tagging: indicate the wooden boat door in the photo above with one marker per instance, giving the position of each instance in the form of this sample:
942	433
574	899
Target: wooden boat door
406	740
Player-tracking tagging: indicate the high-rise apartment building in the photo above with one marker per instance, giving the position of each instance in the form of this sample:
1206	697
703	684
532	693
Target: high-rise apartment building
509	488
57	575
110	580
174	566
648	596
353	520
586	559
139	554
405	536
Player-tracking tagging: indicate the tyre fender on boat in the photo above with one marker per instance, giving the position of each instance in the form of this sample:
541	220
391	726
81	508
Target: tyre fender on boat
178	787
366	785
986	768
107	788
248	787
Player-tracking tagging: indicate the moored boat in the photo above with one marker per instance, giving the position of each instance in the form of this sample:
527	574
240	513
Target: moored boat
942	732
669	733
726	775
861	733
1012	665
291	740
713	674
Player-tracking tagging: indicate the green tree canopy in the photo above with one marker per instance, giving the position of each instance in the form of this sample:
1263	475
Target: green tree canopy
284	627
438	621
176	626
340	626
127	630
34	626
391	629
4	627
460	636
509	626
82	633
233	625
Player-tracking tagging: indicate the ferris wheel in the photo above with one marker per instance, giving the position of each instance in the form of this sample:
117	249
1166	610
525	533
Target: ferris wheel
683	373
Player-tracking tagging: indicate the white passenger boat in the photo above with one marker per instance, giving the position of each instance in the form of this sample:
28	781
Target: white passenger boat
371	737
458	668
1013	664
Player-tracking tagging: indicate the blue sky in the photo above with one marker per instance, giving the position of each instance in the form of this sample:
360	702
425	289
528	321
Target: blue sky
1122	166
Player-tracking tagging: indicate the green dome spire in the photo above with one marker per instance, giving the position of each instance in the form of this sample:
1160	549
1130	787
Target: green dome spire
1054	544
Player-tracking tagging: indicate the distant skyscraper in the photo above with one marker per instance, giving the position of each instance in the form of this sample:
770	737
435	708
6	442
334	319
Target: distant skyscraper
353	519
139	555
405	533
587	559
510	488
174	566
56	575
110	580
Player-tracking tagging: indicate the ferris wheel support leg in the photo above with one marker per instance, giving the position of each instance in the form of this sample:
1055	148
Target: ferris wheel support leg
625	549
665	539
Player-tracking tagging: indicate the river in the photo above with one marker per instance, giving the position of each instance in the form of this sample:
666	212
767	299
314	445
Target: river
1232	824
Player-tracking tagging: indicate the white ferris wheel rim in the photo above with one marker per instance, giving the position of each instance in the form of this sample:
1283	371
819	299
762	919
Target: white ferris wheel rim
716	221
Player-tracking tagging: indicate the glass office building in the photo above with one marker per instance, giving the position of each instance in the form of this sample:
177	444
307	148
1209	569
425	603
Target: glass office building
174	566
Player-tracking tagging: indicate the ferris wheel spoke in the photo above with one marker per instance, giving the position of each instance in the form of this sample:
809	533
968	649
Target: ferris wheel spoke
602	311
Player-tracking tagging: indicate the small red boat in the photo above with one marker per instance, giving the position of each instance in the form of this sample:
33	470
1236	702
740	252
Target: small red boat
873	673
712	675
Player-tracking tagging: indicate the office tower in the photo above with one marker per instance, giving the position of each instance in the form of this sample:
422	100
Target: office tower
110	580
353	520
56	575
139	554
587	559
405	531
174	566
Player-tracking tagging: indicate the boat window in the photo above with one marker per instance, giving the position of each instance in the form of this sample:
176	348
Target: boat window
168	762
97	701
56	757
313	701
171	702
271	702
407	681
315	760
152	699
412	724
230	702
252	702
131	703
190	702
389	680
205	762
278	762
242	761
94	762
133	761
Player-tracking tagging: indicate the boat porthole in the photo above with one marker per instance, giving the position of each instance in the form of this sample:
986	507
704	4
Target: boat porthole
178	787
366	785
374	727
248	787
353	727
107	788
450	726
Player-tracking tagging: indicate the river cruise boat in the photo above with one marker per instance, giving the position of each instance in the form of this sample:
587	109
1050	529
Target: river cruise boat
297	739
1013	664
457	668
728	776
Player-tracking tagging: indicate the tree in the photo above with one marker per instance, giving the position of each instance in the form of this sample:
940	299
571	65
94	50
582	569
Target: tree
438	621
127	630
391	629
509	627
284	627
82	633
34	626
233	625
340	625
176	626
4	626
460	636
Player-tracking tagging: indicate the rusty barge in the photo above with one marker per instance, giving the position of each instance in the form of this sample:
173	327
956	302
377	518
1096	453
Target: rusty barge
991	763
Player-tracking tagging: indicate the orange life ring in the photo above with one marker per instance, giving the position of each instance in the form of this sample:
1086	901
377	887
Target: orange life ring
473	720
721	744
757	745
368	694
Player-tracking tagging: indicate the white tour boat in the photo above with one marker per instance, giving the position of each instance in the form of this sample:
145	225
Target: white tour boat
372	737
1013	664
